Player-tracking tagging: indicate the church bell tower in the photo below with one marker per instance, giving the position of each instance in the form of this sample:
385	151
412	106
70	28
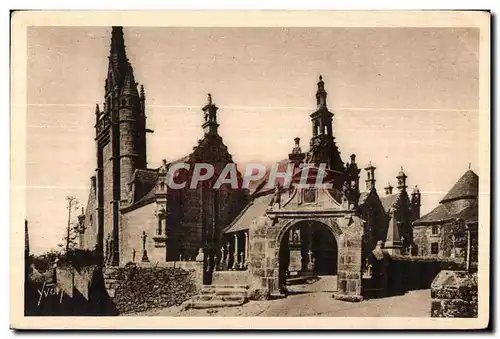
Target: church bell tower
120	141
322	145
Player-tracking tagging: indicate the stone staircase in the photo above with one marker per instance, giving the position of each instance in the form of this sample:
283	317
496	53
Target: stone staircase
212	296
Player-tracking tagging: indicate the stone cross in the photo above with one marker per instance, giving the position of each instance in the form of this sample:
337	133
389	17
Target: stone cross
410	248
310	255
242	259
144	237
222	251
180	256
144	252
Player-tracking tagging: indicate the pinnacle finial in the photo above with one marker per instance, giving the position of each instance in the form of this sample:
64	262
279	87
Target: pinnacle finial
320	77
209	98
97	110
142	91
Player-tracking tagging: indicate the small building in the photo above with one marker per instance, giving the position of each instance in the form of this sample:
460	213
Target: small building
443	231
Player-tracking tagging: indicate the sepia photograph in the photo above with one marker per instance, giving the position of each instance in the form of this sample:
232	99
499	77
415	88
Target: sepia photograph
227	170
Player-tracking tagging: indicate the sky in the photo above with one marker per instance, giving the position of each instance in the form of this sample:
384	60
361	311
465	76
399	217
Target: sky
400	97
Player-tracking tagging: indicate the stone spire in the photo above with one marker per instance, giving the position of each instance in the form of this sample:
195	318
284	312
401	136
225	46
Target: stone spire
210	124
323	148
393	241
388	189
402	180
296	157
129	85
370	181
321	93
118	61
415	203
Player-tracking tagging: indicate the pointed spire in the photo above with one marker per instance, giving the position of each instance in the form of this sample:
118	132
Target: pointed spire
129	84
117	55
210	124
393	240
321	93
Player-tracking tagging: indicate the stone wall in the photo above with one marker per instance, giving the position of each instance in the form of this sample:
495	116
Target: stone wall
454	295
72	292
107	155
90	234
139	288
132	224
396	274
349	272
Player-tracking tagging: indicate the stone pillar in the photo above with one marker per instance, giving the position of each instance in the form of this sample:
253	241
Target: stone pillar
235	254
246	249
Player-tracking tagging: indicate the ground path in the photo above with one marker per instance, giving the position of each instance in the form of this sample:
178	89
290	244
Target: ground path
412	304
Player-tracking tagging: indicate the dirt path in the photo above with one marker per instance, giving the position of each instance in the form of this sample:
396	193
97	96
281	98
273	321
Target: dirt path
412	304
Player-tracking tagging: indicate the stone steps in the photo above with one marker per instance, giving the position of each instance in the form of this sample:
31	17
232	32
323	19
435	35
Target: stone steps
212	296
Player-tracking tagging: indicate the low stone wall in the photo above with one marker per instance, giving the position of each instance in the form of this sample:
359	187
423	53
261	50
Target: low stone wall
143	287
397	274
70	292
454	295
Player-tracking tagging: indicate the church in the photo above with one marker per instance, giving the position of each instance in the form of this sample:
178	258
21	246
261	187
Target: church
269	235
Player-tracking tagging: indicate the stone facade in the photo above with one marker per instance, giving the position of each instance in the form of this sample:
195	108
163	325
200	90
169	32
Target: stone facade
132	215
129	203
442	232
281	232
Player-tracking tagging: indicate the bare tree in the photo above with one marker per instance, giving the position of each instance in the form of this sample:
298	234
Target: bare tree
70	232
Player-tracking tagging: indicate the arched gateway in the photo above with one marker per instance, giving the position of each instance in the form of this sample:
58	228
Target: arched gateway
307	248
286	244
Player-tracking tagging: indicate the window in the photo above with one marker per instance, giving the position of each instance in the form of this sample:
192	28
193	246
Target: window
434	248
159	224
309	195
435	230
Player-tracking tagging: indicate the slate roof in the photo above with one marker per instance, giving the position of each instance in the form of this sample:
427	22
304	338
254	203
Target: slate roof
442	213
389	201
144	182
255	209
466	187
362	198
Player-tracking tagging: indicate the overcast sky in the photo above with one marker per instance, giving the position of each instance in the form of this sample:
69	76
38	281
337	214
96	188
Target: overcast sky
401	97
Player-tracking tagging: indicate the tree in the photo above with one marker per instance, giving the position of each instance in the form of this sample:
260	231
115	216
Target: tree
71	231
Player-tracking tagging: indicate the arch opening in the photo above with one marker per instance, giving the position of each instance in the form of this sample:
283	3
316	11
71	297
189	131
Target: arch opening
308	252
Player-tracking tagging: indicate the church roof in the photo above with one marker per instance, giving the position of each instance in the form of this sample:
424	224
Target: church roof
255	209
144	181
389	201
443	213
129	84
466	187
